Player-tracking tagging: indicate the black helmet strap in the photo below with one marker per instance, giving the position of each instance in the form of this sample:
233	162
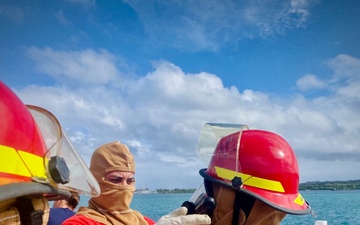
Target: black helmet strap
28	215
245	203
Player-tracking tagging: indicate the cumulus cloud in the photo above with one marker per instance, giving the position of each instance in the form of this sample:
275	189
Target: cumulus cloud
343	86
310	81
87	66
335	117
160	114
347	74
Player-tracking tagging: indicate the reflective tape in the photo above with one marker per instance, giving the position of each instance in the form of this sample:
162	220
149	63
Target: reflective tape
250	180
21	163
10	162
34	163
299	200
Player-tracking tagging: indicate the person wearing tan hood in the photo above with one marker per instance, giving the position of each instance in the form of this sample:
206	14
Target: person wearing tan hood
113	166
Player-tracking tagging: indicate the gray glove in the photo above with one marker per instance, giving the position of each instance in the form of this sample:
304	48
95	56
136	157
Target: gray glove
179	217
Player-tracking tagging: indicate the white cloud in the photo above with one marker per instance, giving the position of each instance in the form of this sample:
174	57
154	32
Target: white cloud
160	116
336	170
347	74
310	81
345	66
87	66
345	80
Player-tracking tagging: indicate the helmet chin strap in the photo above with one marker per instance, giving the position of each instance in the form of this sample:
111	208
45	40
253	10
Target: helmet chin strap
211	201
242	202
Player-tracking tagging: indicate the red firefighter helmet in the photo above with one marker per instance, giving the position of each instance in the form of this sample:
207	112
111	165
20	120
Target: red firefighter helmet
21	143
35	154
261	164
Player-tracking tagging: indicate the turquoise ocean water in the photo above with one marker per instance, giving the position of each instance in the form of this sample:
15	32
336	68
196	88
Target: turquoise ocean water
336	207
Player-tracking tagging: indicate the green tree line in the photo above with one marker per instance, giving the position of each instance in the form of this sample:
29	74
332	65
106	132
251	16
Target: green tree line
312	185
330	185
176	190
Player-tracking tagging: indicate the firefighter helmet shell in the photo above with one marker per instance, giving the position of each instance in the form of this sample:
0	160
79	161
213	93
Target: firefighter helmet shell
261	164
22	147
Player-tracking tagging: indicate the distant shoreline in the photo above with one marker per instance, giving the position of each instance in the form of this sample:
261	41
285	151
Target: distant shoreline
165	191
330	185
307	186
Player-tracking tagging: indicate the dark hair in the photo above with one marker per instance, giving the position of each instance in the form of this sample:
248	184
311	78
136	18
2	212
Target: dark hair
73	201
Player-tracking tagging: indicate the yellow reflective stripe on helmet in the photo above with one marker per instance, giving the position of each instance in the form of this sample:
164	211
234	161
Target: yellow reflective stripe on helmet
21	163
11	162
258	182
34	163
299	200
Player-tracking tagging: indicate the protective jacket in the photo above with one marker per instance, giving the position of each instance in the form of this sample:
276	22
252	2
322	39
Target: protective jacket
83	220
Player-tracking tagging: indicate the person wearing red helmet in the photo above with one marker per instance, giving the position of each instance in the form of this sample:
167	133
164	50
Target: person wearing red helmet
252	178
38	164
36	158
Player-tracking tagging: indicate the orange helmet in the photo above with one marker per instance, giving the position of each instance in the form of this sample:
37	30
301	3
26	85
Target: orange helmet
35	155
260	164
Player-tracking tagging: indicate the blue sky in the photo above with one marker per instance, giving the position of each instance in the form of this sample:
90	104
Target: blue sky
152	73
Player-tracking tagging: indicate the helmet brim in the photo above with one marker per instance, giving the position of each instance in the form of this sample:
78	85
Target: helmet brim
15	190
282	202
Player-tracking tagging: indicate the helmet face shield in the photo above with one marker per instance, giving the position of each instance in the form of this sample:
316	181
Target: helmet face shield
63	164
198	198
211	134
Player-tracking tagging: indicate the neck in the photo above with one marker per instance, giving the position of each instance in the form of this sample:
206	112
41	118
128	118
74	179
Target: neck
63	205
